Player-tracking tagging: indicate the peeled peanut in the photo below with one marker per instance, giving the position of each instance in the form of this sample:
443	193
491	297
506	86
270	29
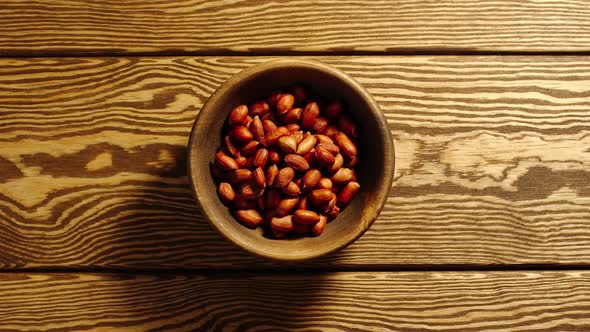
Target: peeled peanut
260	158
250	148
323	139
292	189
271	172
285	103
309	115
320	124
226	192
297	162
311	178
239	176
347	193
343	175
238	115
268	125
333	213
241	134
225	162
242	161
274	157
330	205
259	108
292	116
286	206
271	138
287	144
306	145
306	217
324	156
274	97
321	197
297	136
324	183
333	148
293	127
338	161
346	145
282	224
259	177
318	228
250	218
256	128
284	177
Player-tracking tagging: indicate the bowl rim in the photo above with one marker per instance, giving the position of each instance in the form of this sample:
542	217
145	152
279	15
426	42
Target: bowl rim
375	110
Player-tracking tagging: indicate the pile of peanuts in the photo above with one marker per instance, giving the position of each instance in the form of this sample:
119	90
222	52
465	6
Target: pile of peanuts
288	163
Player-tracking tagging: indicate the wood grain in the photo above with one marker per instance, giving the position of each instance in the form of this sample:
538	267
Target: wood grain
422	301
116	27
492	163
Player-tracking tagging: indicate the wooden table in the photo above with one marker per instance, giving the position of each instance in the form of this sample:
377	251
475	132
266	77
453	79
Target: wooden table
487	226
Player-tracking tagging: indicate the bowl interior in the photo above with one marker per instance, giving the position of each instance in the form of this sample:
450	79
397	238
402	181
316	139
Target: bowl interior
375	170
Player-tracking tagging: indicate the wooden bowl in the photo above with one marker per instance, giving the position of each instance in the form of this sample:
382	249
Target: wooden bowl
376	151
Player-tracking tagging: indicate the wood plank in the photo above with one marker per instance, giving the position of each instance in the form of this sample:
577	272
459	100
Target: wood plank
492	162
117	27
416	301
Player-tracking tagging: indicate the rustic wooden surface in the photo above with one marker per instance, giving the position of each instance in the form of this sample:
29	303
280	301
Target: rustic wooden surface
490	113
347	301
115	27
492	162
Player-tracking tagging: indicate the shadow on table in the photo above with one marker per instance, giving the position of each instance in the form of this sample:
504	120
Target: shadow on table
162	228
205	282
229	301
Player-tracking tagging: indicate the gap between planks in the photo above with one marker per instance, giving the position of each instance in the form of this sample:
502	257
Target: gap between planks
287	270
229	53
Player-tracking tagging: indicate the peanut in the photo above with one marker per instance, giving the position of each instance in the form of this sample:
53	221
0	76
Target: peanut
238	115
346	145
284	177
311	179
347	193
318	228
285	103
241	134
306	145
306	217
284	224
225	162
250	218
297	162
309	115
259	108
250	148
256	128
226	192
